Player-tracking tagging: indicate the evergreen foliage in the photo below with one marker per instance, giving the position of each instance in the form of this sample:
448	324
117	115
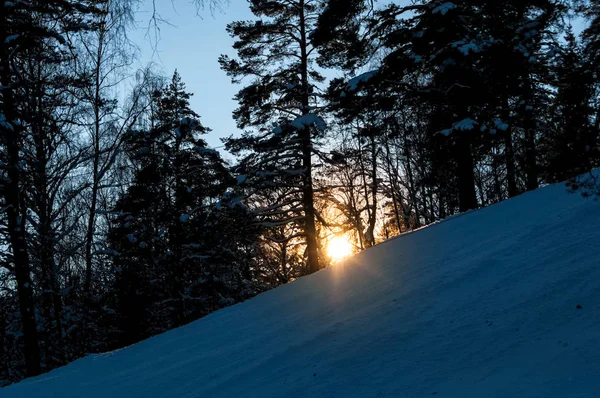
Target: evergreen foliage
118	221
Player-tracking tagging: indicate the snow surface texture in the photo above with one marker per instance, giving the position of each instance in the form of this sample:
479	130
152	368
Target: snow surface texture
482	305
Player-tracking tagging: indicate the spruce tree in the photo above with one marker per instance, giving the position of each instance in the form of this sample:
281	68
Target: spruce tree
175	251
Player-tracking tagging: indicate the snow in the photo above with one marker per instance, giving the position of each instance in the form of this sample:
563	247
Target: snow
308	120
500	125
465	124
528	26
4	123
530	34
206	151
444	8
187	121
241	179
448	62
362	78
499	302
469	47
416	58
230	201
11	38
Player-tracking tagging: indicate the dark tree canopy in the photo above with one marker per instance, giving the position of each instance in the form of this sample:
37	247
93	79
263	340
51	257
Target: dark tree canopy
358	121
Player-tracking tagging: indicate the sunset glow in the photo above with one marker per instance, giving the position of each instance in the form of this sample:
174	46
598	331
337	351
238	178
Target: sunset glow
339	248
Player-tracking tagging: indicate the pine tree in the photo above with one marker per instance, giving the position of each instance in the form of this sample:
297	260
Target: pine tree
279	104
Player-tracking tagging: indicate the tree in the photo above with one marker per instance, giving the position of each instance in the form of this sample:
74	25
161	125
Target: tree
449	57
571	145
590	9
280	105
176	253
591	35
63	164
50	152
104	58
28	28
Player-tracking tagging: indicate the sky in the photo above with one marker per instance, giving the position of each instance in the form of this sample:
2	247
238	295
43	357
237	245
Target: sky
192	42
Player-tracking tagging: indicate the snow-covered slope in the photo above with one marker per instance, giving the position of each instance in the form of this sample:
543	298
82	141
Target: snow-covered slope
483	305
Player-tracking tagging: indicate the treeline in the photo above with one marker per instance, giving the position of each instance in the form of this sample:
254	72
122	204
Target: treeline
476	101
118	221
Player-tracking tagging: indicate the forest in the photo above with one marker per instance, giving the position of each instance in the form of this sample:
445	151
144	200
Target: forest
119	222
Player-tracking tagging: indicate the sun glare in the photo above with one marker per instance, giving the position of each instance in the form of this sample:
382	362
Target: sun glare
338	248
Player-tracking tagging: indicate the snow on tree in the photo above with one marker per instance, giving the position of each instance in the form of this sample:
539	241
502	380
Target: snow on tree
279	105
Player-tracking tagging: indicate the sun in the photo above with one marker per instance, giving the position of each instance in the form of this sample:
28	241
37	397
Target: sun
338	248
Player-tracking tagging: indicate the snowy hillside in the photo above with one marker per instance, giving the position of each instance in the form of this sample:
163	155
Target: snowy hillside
502	302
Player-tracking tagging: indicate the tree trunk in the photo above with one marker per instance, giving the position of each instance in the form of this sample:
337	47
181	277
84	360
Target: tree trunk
89	236
531	168
374	190
498	191
441	204
89	240
466	176
309	206
368	206
393	186
509	154
178	236
425	211
42	134
16	227
530	161
411	180
305	136
14	213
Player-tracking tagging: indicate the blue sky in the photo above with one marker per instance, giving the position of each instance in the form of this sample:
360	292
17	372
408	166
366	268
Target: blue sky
192	42
192	46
